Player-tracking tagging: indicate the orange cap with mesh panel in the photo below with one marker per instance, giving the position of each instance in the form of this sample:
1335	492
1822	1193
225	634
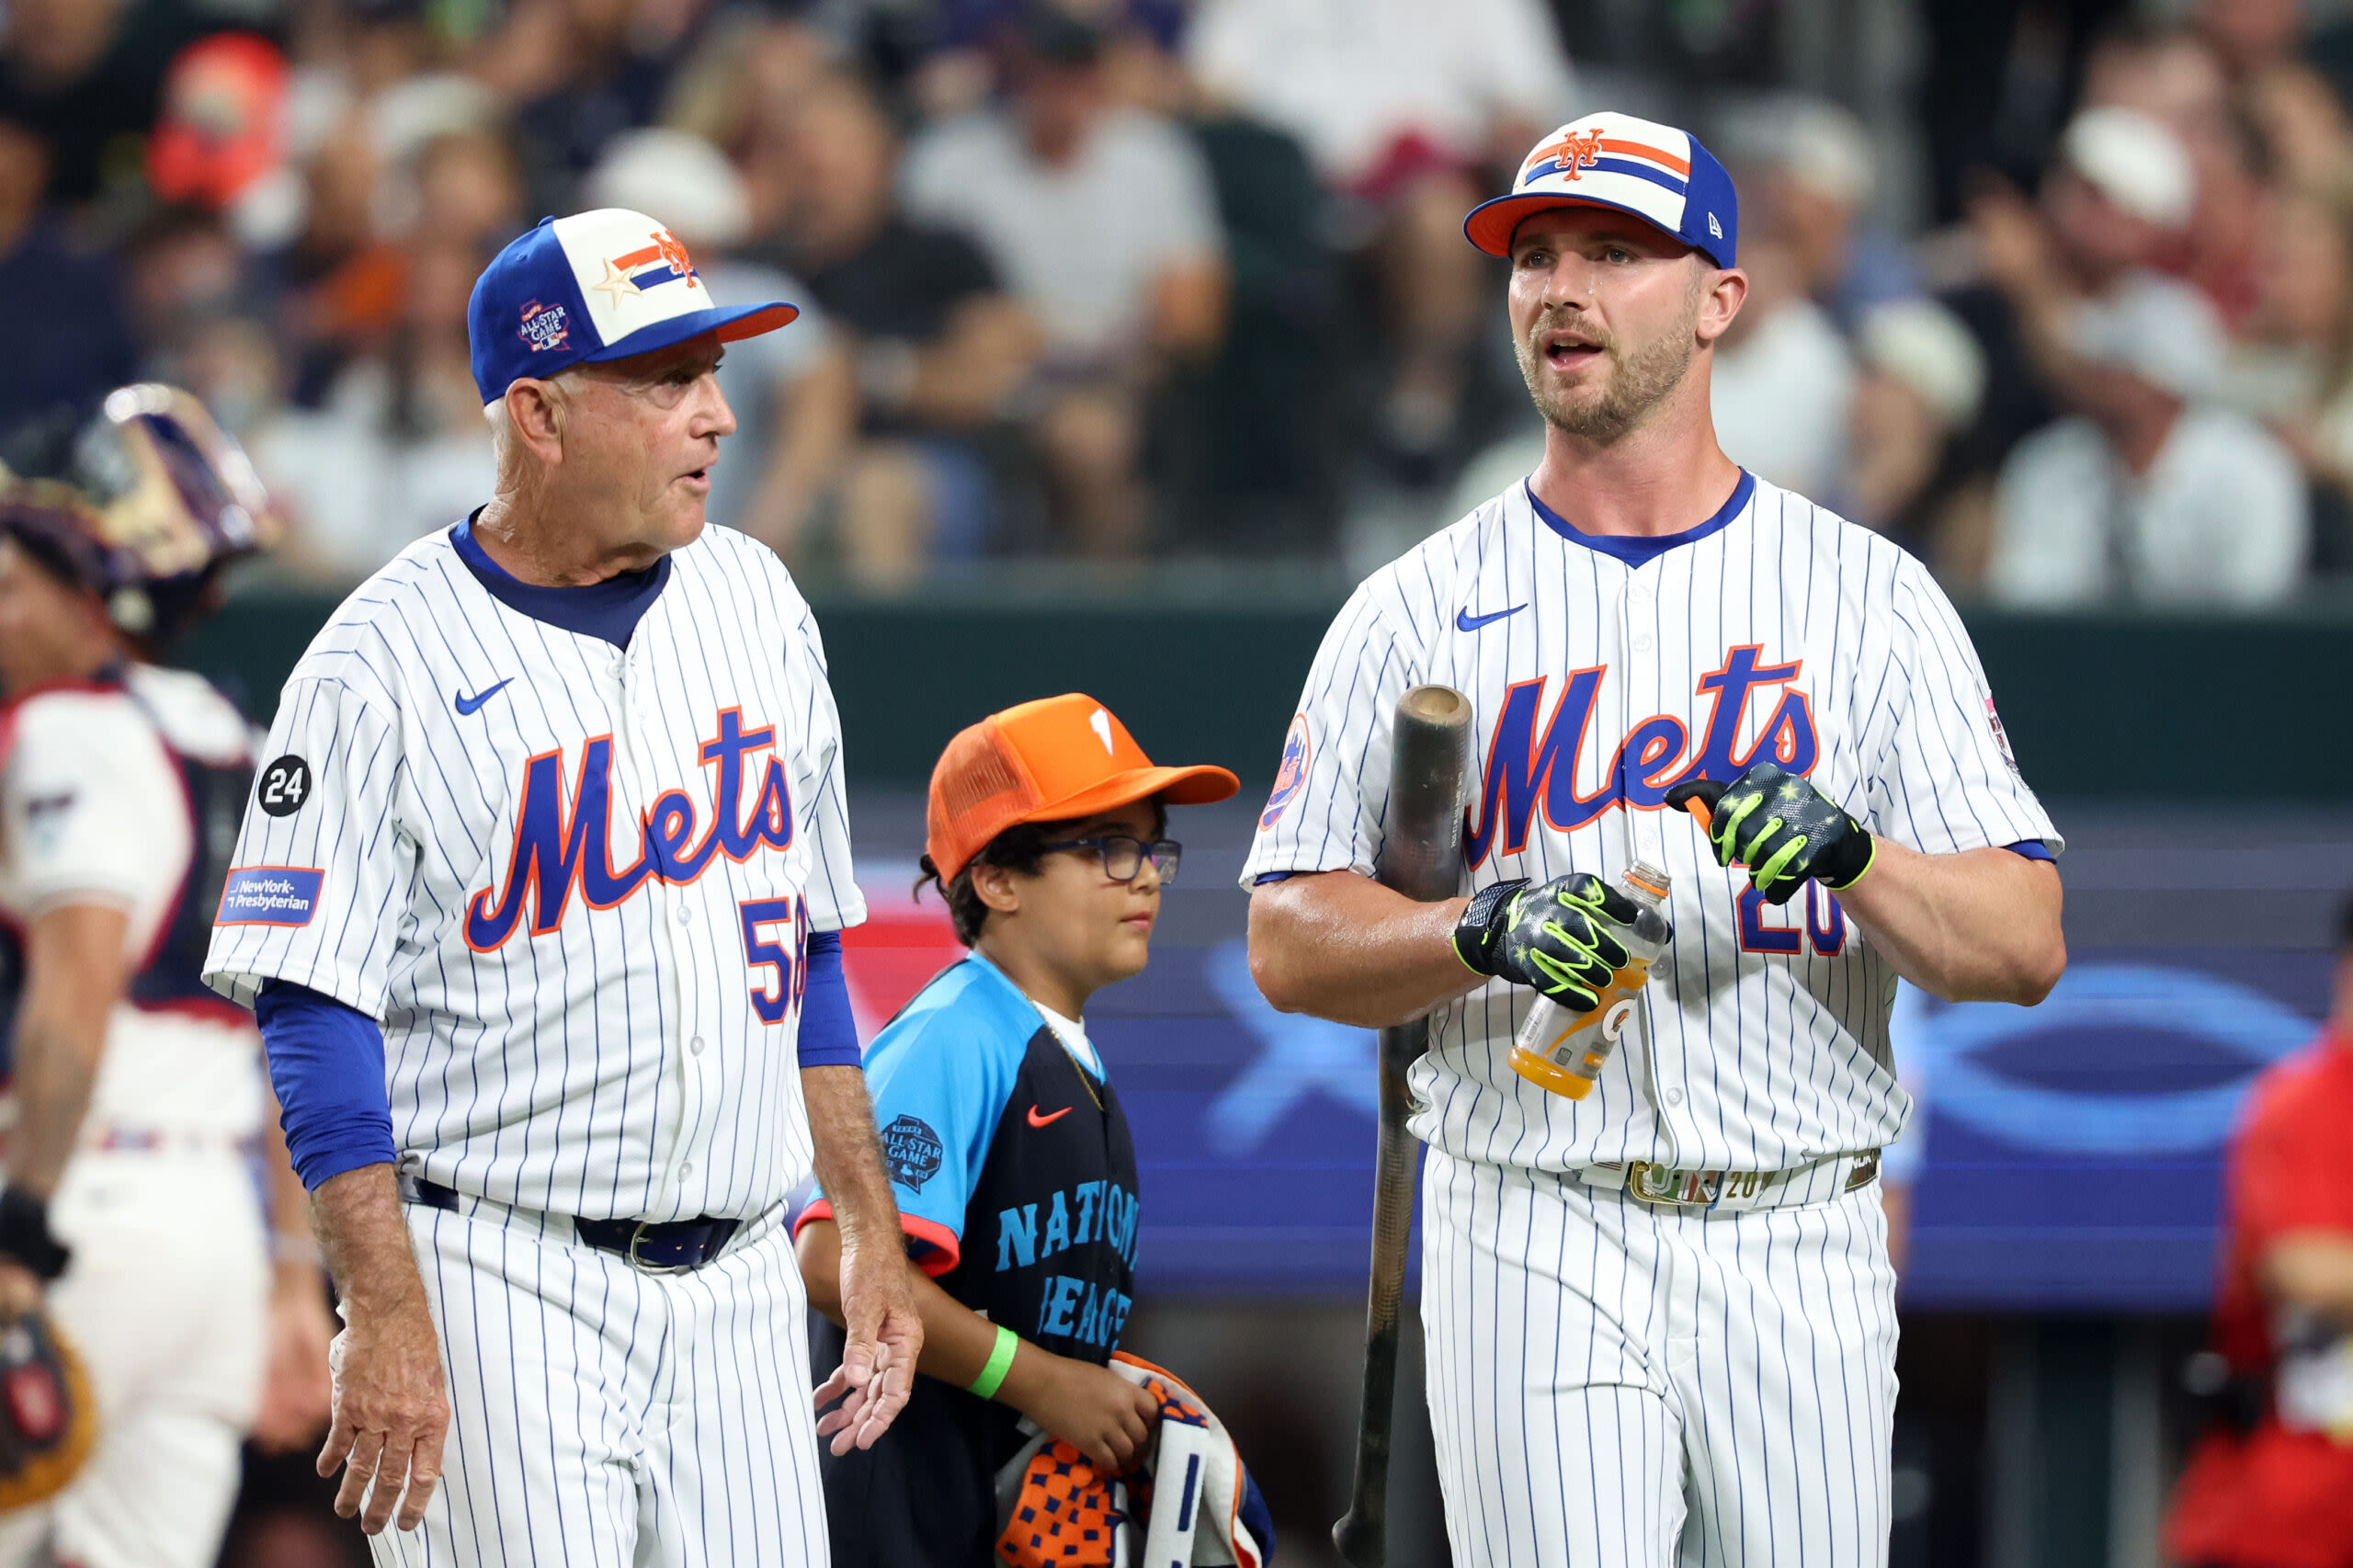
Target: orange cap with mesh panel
1051	760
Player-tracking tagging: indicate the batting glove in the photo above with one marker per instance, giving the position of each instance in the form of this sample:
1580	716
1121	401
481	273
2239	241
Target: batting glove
1782	828
1554	936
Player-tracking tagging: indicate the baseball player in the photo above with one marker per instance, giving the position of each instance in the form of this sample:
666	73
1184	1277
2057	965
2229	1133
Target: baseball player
540	899
1659	1319
1008	1148
138	1098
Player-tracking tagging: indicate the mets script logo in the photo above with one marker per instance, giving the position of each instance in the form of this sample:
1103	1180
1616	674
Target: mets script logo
633	272
1575	149
563	844
1525	773
544	326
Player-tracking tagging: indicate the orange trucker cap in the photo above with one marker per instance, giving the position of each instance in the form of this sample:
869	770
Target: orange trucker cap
1050	760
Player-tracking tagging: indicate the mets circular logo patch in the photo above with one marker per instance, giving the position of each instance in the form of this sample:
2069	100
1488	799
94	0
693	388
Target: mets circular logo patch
1291	776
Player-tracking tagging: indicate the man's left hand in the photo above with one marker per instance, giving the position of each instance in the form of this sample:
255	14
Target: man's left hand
886	1338
1782	828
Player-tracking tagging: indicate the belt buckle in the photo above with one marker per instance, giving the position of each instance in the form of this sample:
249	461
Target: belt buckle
1666	1184
636	1239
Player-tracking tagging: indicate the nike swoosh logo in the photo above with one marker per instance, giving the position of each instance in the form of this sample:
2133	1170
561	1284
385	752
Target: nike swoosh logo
474	704
1465	622
1037	1121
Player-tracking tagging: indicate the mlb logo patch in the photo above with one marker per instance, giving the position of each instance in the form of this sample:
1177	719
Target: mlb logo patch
544	326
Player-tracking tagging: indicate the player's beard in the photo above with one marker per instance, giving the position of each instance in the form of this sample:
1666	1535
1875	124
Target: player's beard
1637	383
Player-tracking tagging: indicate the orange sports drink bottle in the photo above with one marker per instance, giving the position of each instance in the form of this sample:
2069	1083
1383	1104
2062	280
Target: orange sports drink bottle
1564	1051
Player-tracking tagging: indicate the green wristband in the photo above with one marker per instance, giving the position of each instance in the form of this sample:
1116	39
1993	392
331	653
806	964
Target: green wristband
992	1376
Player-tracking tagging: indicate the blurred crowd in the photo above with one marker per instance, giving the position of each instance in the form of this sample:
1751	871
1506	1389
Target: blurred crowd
1124	280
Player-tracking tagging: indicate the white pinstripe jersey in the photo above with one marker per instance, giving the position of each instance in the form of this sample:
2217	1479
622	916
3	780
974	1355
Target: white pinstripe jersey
574	884
1774	630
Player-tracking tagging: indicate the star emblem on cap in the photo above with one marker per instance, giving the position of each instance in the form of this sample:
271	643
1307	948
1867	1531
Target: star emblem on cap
616	282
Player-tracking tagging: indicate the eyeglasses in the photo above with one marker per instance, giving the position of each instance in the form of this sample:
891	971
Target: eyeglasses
1124	856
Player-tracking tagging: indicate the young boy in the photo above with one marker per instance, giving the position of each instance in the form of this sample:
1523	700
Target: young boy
1008	1152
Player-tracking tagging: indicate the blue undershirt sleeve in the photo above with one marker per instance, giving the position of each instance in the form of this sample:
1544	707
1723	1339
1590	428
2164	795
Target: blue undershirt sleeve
327	1061
2031	849
829	1033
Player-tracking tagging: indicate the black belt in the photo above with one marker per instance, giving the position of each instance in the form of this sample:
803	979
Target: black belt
668	1246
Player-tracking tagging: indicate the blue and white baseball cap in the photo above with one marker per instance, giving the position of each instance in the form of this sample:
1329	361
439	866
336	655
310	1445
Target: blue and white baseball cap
1653	172
595	286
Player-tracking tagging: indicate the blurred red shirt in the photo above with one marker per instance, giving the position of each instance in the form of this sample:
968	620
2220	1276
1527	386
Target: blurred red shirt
2275	1498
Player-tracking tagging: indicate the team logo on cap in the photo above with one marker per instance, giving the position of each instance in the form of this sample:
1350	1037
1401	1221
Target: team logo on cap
664	261
544	326
1575	149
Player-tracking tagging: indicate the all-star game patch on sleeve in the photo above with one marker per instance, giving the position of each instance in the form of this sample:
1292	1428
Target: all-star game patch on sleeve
1331	793
940	1076
1946	780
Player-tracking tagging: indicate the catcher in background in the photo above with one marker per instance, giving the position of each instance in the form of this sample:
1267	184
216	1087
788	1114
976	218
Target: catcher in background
1009	1150
139	1097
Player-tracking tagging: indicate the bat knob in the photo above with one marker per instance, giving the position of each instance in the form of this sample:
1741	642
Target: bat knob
1698	799
1362	1543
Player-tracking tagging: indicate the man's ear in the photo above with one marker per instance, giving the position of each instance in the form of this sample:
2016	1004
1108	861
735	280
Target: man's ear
996	887
536	409
1719	302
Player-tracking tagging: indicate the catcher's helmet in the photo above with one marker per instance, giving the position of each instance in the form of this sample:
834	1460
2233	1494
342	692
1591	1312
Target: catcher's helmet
143	502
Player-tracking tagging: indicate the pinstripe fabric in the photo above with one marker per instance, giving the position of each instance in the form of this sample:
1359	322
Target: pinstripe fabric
1748	1060
607	1418
1614	1385
614	1063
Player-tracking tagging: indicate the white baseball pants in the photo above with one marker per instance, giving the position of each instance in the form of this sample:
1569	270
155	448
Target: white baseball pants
606	1417
1618	1385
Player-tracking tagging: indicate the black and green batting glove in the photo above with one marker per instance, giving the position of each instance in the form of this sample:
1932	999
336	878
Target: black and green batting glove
1782	828
1554	936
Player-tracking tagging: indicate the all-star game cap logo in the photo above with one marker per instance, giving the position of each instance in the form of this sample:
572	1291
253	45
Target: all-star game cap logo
544	326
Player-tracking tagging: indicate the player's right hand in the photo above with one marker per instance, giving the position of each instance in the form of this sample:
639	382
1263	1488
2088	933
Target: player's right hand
1554	936
1092	1408
391	1412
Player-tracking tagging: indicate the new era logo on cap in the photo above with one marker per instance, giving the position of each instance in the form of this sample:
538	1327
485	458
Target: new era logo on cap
595	286
1654	172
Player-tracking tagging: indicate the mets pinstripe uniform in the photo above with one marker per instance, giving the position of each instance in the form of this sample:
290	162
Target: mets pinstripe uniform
574	872
1661	1319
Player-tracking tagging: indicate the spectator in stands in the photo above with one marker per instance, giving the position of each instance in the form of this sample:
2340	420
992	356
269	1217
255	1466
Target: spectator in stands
580	72
63	337
2269	1483
85	75
1783	376
1809	163
2175	80
2120	188
2294	370
2147	492
1411	113
939	348
469	191
1920	377
1102	222
793	393
400	447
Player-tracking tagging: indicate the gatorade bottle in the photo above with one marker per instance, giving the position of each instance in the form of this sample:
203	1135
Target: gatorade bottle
1564	1051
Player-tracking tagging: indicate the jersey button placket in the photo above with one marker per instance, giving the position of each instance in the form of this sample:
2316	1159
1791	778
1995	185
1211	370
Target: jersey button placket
1639	679
634	718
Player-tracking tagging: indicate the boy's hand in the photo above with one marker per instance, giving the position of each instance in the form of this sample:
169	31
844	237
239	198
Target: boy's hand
1092	1408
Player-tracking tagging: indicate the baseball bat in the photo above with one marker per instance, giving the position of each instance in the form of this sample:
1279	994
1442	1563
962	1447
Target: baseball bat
1421	857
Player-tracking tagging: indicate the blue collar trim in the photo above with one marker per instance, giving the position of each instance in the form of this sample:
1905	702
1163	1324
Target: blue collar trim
608	611
1641	549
